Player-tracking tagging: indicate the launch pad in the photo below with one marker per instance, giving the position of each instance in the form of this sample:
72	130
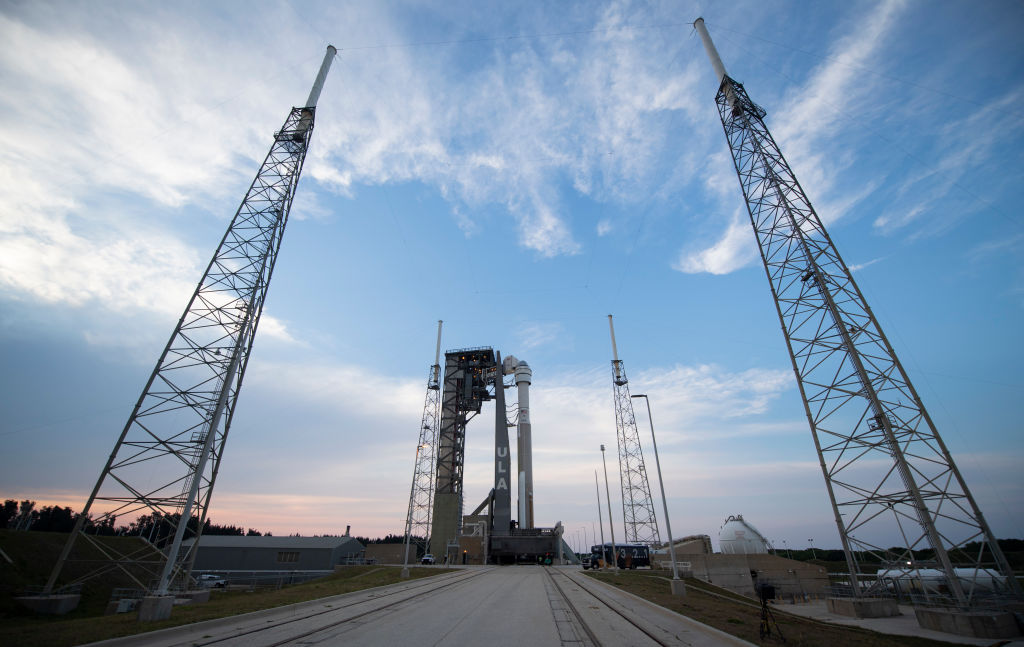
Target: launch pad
488	535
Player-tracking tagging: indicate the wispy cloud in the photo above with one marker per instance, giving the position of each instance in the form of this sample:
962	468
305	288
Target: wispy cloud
534	335
803	125
962	147
737	248
813	115
859	266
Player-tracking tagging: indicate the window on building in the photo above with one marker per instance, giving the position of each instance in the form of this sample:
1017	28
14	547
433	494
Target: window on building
287	556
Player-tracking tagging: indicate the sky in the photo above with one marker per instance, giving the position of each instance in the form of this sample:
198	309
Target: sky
520	171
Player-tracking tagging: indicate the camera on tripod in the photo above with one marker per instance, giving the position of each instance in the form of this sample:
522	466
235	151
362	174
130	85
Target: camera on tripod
769	627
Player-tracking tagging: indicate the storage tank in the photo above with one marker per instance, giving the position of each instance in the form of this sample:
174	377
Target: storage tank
738	537
932	580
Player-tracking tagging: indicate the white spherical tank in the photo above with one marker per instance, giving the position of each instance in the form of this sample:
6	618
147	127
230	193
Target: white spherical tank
738	537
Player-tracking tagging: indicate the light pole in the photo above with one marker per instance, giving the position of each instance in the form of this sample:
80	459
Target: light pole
788	554
600	522
611	525
813	554
678	586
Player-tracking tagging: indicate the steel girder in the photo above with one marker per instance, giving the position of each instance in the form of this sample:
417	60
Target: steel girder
166	460
637	505
889	476
421	495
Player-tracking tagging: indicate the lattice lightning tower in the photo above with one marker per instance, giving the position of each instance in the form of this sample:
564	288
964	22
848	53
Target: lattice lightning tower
889	476
421	495
637	504
166	460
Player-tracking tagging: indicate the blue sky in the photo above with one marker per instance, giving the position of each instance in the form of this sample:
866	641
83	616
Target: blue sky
519	170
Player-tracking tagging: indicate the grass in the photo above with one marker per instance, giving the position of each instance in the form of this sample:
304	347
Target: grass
34	554
741	616
39	631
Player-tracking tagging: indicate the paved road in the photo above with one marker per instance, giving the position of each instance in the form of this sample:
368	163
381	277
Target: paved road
494	606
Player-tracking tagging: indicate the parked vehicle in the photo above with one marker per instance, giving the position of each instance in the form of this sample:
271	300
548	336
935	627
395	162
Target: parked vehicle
585	561
211	581
629	555
428	559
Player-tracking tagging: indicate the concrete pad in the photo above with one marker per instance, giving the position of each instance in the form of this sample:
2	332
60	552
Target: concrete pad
678	587
155	607
54	605
124	605
977	624
902	625
864	607
670	627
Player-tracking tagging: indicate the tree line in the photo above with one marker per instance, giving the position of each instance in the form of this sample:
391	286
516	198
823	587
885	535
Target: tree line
25	515
157	529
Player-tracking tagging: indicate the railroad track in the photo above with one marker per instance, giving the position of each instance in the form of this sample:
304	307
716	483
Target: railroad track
587	608
500	606
337	615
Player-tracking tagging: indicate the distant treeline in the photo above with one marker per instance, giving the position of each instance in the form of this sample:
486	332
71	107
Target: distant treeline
1012	548
24	515
388	539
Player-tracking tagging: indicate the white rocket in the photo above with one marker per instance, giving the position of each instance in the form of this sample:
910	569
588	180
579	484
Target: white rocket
524	447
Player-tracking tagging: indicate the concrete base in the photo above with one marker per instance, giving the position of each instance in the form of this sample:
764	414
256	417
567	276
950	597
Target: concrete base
863	607
678	587
405	573
124	605
155	607
977	624
55	605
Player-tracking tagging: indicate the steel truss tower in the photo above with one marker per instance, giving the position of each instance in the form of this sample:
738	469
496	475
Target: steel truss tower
421	495
467	373
889	476
637	503
166	460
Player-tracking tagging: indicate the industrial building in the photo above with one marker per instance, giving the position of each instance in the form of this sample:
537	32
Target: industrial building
238	553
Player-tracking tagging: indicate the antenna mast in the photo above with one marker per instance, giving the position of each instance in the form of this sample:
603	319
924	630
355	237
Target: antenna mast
887	471
637	504
164	464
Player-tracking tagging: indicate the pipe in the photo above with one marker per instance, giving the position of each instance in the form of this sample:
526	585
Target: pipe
716	62
709	47
318	85
599	521
437	352
615	351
